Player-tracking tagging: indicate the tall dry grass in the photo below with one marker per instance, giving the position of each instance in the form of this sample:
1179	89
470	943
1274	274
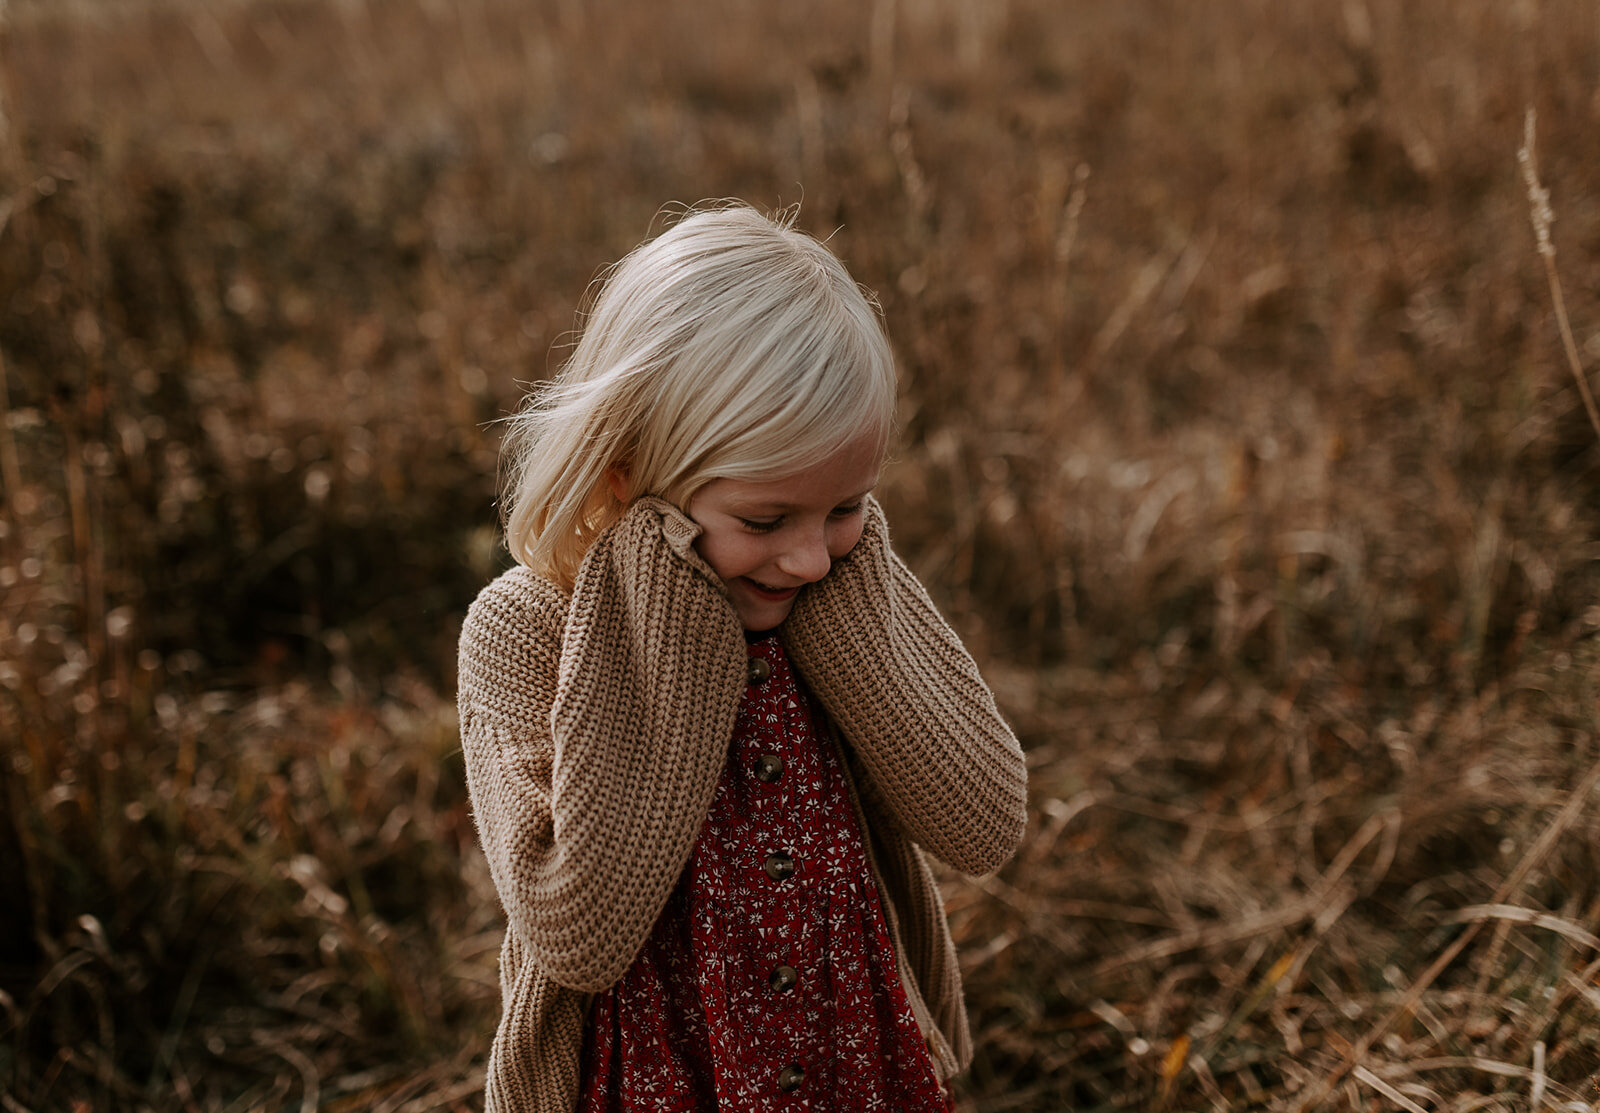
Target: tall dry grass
1238	439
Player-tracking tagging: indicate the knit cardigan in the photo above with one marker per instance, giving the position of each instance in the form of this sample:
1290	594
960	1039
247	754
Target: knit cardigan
595	725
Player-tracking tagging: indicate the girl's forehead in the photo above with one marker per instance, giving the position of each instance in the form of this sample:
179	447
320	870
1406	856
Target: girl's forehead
849	471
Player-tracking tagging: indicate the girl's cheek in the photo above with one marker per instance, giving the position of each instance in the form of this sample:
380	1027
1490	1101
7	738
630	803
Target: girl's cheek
843	544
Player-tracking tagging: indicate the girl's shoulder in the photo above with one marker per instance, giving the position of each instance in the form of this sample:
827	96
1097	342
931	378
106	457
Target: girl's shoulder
511	641
519	597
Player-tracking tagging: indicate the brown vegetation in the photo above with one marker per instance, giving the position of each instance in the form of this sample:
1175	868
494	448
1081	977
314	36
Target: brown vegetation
1238	439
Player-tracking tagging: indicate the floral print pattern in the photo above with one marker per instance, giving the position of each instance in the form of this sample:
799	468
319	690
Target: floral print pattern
769	980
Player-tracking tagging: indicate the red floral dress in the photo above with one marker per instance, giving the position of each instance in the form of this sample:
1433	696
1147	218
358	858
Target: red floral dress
768	982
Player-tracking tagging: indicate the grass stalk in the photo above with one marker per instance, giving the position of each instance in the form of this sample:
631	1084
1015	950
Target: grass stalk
1543	216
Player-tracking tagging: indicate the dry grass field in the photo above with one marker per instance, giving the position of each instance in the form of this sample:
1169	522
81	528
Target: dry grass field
1238	439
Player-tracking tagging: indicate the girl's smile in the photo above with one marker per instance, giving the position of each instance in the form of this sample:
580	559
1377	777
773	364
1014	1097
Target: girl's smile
767	539
776	594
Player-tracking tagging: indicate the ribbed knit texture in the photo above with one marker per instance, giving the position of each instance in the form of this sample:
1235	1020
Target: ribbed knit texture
595	727
905	693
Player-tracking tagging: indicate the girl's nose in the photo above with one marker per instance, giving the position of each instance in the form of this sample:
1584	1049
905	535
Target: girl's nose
807	559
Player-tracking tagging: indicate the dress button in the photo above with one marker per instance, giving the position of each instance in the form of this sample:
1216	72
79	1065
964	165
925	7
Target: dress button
760	669
780	867
790	1077
783	979
769	768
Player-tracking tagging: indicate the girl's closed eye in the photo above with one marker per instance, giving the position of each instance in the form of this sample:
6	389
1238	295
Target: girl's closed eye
768	525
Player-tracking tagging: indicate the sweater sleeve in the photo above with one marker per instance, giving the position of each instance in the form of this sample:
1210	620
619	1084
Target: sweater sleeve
594	736
908	698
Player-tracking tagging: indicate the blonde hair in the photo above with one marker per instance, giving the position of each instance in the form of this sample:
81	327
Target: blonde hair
730	346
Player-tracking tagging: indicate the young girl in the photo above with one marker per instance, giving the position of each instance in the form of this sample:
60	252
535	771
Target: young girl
711	721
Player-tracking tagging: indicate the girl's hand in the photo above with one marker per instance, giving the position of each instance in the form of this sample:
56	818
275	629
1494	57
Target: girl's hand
647	514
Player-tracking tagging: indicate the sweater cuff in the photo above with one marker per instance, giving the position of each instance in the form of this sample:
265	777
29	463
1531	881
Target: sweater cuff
679	531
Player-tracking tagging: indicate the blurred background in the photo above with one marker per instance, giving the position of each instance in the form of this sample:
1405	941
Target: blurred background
1237	439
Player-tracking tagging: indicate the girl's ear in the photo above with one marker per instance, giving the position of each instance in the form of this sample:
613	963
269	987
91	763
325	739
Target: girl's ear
617	480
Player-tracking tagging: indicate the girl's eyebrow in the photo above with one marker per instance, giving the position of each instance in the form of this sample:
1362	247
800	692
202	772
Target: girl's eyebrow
779	506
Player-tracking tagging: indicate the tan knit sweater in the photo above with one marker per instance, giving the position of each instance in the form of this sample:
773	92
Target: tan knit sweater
596	724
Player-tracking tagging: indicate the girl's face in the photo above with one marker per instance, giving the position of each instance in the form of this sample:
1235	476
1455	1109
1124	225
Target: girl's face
768	539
